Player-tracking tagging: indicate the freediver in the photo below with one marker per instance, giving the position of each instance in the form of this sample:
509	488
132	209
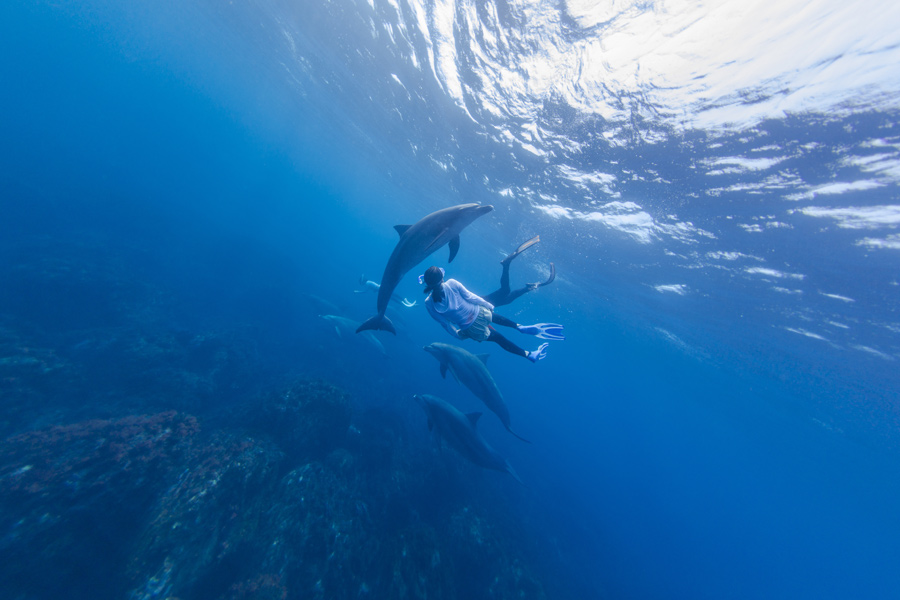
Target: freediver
468	316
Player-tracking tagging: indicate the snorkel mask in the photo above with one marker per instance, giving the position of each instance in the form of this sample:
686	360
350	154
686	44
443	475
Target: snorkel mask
422	278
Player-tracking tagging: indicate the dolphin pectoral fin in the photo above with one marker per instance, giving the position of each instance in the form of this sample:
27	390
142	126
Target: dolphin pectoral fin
378	322
454	248
444	370
473	418
401	229
337	331
483	357
455	376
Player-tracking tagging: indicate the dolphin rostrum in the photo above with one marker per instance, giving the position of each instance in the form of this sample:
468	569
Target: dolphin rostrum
460	432
416	243
471	371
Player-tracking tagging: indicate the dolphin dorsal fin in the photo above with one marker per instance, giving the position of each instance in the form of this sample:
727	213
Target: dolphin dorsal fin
401	229
473	417
454	248
444	370
483	357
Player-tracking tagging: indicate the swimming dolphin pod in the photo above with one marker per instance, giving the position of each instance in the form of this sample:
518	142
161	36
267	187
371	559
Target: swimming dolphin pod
459	431
471	371
416	243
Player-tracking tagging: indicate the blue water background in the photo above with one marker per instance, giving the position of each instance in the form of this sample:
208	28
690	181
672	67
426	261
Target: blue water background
739	462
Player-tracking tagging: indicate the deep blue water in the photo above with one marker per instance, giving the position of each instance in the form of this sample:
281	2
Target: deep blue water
721	421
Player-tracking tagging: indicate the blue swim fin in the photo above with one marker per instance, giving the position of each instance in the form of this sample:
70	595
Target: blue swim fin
545	331
521	249
539	354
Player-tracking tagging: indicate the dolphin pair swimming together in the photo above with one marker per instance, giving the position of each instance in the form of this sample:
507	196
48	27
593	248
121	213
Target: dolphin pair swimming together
471	371
416	243
459	430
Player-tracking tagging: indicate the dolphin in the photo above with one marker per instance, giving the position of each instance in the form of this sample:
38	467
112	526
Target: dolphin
344	325
416	243
471	371
321	304
459	431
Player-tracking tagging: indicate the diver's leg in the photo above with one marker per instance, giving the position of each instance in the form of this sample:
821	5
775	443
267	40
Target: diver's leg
504	343
501	320
513	295
496	298
500	297
504	279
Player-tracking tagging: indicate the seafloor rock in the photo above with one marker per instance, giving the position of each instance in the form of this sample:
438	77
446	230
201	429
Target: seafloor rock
165	368
32	378
307	420
322	536
73	284
493	567
72	497
148	507
311	536
417	569
206	532
78	375
233	528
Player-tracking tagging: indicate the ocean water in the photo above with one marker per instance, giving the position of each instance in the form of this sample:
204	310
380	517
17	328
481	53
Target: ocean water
187	187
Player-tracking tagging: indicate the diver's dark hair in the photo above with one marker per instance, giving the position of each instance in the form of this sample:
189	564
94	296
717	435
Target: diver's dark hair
433	278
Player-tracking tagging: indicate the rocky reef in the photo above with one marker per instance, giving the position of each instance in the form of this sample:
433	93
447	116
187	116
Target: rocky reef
144	459
300	504
309	418
72	498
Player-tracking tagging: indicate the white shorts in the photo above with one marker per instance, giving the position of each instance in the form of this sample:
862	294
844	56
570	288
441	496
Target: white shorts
479	329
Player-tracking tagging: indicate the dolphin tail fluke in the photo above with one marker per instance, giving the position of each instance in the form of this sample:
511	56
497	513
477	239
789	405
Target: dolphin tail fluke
378	322
517	435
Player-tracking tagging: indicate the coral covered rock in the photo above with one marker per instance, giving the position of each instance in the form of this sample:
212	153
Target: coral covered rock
205	534
149	507
307	420
72	497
